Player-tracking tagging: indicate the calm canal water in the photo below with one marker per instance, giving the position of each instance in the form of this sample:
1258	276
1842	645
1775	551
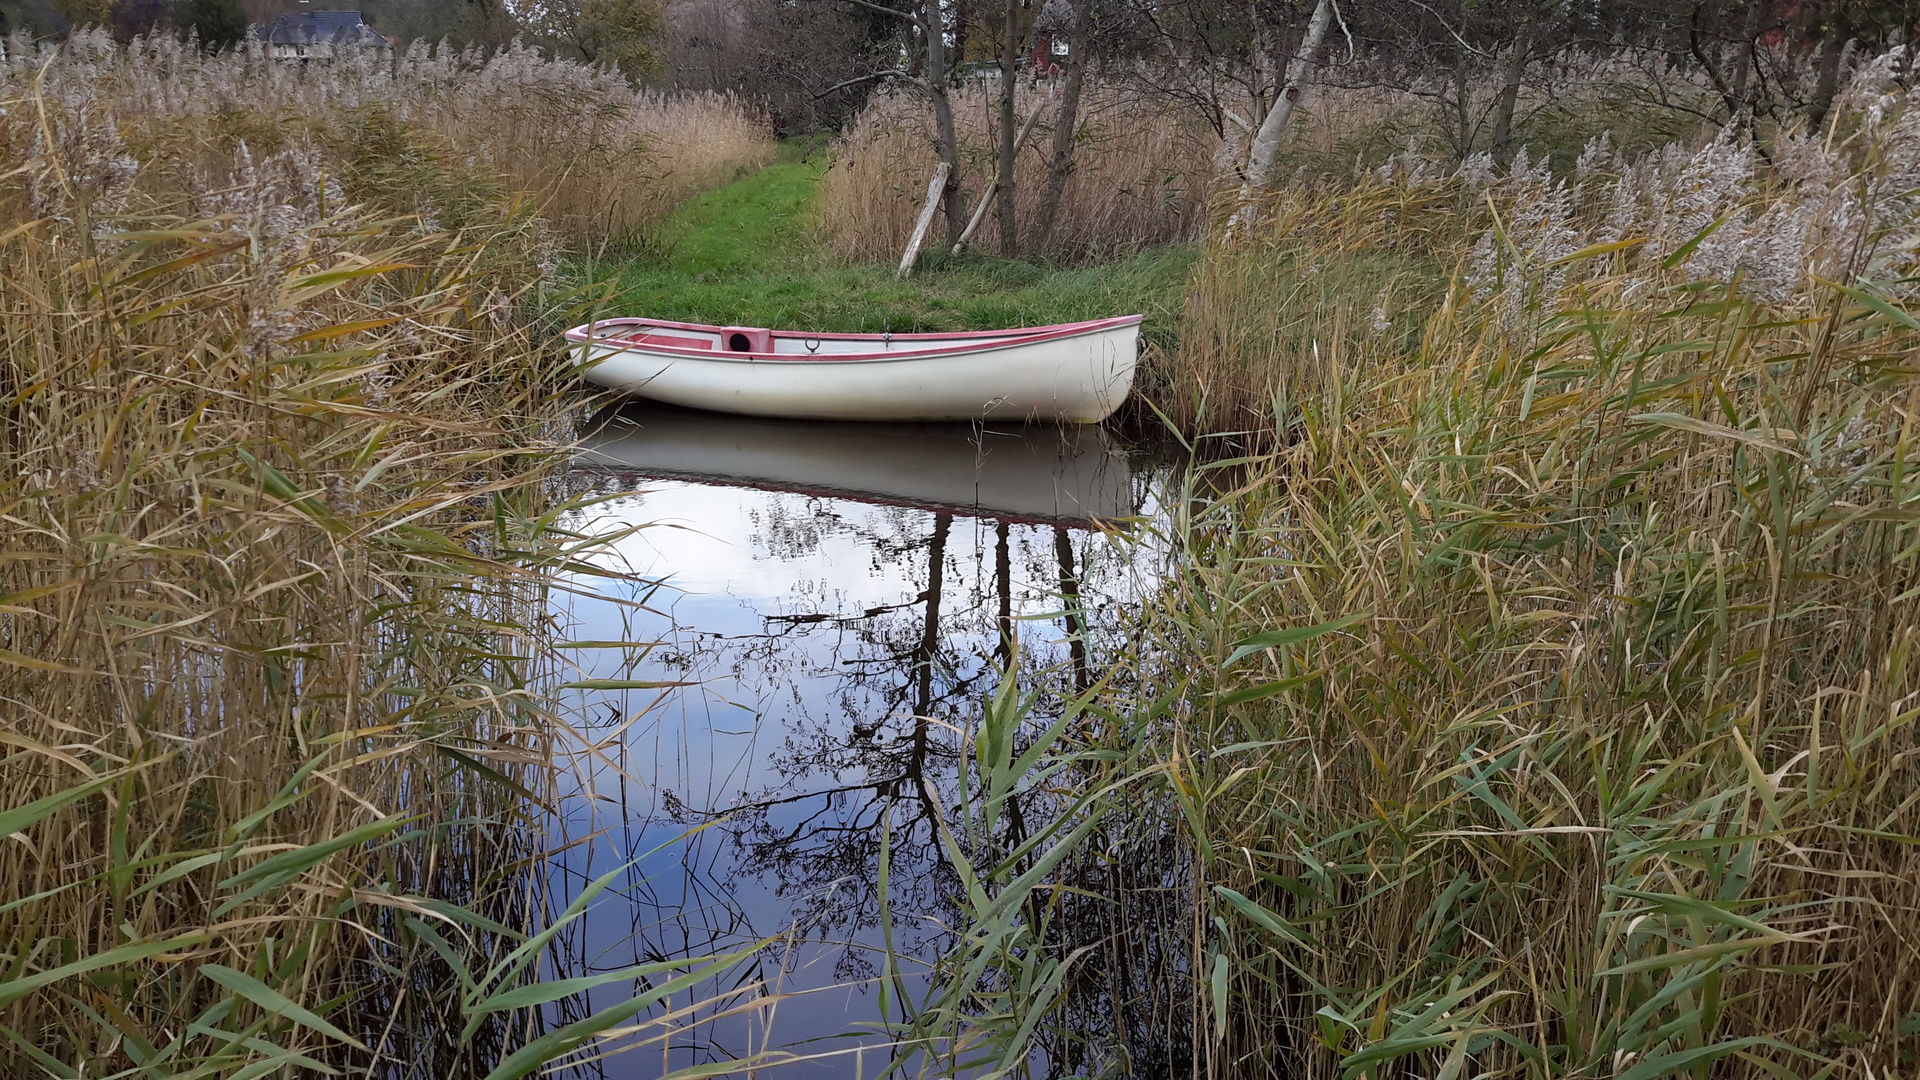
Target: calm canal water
835	602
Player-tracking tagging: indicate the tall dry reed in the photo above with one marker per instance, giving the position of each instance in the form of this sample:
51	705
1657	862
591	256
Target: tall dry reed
1327	266
277	534
1142	172
1545	703
603	160
1358	263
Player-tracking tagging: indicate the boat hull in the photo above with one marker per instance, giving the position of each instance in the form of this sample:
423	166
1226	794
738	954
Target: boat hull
1076	374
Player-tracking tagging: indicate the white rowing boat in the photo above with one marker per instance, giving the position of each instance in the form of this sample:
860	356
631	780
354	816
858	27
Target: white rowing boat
1076	372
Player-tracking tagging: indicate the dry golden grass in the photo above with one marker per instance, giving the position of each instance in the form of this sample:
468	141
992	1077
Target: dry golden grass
1351	122
1149	162
1327	267
1615	762
278	530
1541	703
1357	261
1544	705
603	161
1142	173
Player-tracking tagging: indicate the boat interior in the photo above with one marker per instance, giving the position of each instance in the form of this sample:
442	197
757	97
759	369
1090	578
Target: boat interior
753	339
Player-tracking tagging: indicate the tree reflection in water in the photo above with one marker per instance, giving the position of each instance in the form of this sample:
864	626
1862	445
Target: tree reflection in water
838	648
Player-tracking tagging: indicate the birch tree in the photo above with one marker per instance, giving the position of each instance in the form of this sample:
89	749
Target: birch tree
1222	58
1264	147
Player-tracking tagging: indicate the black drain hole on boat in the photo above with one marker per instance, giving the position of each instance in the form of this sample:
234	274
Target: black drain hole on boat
739	343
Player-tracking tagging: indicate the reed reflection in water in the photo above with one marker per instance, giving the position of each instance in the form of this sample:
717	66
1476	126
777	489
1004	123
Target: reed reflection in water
837	599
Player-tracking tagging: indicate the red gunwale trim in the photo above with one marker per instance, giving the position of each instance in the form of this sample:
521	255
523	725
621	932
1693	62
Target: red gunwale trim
965	342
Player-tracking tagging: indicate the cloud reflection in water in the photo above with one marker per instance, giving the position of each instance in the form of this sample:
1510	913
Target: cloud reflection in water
837	635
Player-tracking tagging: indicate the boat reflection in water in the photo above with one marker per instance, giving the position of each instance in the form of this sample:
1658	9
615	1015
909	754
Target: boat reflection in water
838	600
1043	473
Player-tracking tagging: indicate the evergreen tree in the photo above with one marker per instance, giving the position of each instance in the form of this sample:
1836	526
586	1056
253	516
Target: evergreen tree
219	24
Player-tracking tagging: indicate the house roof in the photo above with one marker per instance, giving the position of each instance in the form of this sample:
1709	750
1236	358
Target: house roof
312	27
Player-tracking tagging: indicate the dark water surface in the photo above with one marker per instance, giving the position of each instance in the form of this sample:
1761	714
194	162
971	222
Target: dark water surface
837	600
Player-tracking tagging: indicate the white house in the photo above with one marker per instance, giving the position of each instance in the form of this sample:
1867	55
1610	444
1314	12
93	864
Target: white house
319	35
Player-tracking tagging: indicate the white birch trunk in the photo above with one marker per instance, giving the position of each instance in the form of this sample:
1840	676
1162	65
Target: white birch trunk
1265	145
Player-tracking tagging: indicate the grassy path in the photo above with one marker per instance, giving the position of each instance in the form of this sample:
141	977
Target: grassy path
740	228
744	254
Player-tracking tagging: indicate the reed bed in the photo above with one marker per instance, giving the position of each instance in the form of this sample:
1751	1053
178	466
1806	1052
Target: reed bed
1363	114
1327	266
1541	702
1359	264
1544	701
1142	172
605	162
278	530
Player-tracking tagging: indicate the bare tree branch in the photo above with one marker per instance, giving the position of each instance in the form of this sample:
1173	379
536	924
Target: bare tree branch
911	17
890	73
1342	20
1448	27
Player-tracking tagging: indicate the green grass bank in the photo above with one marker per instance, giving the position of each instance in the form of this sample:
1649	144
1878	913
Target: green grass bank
744	254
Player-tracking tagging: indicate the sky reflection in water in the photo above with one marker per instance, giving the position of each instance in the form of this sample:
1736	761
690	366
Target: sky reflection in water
816	626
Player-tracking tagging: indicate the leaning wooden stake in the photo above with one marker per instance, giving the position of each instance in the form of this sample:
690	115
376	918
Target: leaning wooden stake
986	199
926	219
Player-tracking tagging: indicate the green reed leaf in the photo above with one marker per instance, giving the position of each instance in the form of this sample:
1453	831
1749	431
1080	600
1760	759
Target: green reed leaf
13	990
539	993
538	1053
284	867
1292	635
1658	1065
1265	690
1218	984
273	1002
1718	431
20	817
1876	303
1280	927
